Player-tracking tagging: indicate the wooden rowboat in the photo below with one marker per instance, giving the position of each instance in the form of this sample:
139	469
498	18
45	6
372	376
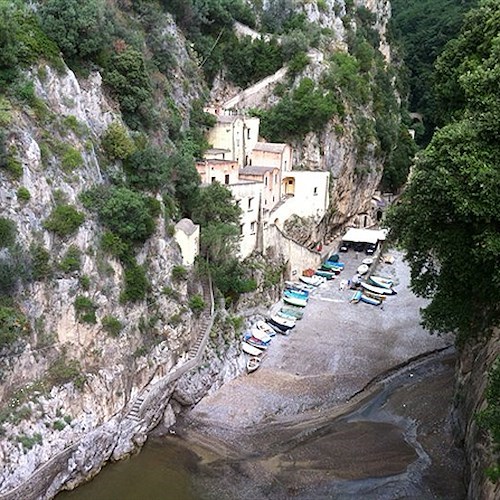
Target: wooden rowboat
253	362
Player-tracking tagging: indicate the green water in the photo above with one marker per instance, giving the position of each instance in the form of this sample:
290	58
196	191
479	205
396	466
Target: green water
158	472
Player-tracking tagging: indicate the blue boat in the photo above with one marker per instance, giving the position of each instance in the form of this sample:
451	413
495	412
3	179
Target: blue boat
297	293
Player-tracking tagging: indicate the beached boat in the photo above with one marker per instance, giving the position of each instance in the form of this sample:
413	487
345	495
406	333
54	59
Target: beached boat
254	341
329	275
295	301
334	257
262	325
375	295
299	293
362	269
378	289
293	311
382	282
253	362
299	285
355	297
335	263
279	330
280	322
370	300
294	295
312	280
330	266
250	349
261	335
368	261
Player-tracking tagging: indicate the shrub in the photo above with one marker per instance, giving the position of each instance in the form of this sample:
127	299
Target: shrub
12	165
64	220
85	282
112	325
59	425
136	284
71	261
85	309
29	441
13	326
148	169
128	215
179	273
40	262
65	370
72	158
116	142
196	304
115	246
23	194
7	232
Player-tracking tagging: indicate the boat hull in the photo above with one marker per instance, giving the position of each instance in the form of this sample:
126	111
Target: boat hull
378	289
294	301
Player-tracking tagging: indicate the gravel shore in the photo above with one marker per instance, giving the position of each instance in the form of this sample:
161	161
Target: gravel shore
331	355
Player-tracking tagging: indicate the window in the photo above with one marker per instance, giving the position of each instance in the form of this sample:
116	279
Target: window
248	133
213	180
250	204
276	178
241	228
315	193
265	180
252	227
226	179
290	181
284	166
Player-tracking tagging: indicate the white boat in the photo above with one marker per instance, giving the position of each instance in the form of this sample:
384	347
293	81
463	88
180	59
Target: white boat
282	322
299	286
261	335
370	300
368	261
314	280
362	269
295	301
253	362
250	349
262	325
383	282
378	289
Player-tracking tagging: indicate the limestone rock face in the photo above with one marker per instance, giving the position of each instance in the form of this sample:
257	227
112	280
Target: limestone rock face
474	365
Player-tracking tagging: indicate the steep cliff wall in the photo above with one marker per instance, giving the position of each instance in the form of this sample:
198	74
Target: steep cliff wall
474	364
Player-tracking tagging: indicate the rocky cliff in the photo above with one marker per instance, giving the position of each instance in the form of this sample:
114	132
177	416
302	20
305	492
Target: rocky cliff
475	364
88	375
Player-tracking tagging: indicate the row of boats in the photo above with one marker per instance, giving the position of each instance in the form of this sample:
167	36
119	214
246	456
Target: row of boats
258	338
374	291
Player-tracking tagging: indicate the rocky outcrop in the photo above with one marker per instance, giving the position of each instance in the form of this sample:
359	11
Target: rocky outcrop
472	379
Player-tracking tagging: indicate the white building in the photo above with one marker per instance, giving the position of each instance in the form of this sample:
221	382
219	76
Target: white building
187	236
247	195
306	194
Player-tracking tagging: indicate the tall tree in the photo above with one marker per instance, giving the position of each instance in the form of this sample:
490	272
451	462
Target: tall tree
448	219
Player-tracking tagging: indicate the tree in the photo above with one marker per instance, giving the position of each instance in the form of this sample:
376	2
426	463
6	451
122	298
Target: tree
148	169
79	28
448	219
128	215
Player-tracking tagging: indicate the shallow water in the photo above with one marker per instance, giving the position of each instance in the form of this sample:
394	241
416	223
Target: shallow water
389	447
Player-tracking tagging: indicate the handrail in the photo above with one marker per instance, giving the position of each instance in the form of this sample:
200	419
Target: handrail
38	483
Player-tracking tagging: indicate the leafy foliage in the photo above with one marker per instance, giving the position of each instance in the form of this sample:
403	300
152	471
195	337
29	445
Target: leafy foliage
13	326
136	284
71	261
196	304
148	169
85	309
424	27
450	213
116	142
80	29
64	220
129	215
129	79
64	370
112	325
305	109
7	232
